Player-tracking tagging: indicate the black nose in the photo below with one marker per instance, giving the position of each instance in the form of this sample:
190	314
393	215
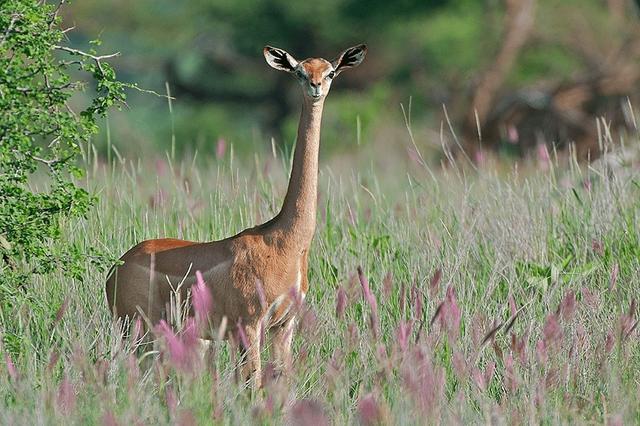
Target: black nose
314	84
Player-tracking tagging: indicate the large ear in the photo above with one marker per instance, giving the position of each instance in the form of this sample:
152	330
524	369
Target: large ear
352	57
279	59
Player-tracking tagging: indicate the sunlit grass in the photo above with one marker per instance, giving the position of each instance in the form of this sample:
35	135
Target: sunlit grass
490	298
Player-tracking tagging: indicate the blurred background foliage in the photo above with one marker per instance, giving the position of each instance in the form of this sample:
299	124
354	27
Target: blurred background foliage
530	72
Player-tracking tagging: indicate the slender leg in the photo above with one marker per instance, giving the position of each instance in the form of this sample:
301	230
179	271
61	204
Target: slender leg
250	369
281	338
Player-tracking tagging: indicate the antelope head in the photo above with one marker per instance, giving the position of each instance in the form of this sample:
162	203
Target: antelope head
314	74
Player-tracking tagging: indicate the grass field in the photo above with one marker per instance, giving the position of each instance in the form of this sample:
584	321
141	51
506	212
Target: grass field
494	298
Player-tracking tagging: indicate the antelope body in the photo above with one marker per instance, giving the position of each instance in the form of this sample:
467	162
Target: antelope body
272	255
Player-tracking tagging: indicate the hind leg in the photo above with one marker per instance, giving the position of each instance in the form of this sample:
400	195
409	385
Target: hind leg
281	340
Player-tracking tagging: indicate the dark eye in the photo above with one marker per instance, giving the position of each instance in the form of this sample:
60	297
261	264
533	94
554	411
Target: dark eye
331	74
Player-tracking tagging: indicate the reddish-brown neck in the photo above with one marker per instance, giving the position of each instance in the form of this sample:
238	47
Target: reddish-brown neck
297	218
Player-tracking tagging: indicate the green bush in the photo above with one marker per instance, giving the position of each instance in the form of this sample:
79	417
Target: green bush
42	135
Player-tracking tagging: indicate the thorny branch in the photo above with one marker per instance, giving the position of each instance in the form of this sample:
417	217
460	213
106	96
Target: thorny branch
97	59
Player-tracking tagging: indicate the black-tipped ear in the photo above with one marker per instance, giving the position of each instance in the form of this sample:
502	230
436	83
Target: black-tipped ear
352	57
279	59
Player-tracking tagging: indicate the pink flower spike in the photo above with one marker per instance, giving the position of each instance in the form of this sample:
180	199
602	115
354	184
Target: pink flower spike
403	332
568	305
510	376
66	397
450	315
202	300
176	348
541	352
416	296
387	285
488	373
366	290
478	379
53	360
552	331
435	282
459	364
513	309
11	368
614	277
369	411
341	302
108	419
307	412
172	402
61	311
221	148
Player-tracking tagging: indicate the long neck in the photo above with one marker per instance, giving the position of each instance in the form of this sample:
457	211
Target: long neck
297	219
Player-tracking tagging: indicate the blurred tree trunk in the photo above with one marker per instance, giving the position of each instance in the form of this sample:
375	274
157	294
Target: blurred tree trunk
556	112
518	22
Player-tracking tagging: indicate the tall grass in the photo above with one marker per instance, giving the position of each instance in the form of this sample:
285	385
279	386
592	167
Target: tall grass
464	296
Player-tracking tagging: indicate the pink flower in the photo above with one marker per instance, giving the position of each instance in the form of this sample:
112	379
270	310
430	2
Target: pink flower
221	148
424	381
541	352
308	412
568	305
11	368
512	381
403	332
450	314
597	247
161	167
387	285
614	277
371	300
609	342
589	298
369	411
416	299
181	349
478	379
172	402
53	360
201	296
435	282
552	331
108	419
366	290
488	372
459	365
66	397
61	311
341	302
513	309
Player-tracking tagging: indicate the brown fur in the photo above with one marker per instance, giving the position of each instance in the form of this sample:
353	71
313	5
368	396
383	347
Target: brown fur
316	69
